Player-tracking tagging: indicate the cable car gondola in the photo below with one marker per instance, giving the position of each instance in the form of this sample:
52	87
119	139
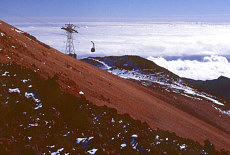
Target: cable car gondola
93	48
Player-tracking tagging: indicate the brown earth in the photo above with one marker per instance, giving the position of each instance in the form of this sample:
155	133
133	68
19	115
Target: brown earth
159	110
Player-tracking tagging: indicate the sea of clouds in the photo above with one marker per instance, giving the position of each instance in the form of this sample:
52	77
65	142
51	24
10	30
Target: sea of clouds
170	45
211	67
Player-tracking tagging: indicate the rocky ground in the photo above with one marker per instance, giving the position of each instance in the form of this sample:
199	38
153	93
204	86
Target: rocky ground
37	118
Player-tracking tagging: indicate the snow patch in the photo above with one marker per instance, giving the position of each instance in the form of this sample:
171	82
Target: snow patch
5	73
92	151
101	62
51	146
134	136
183	146
35	124
2	34
222	111
65	135
31	95
123	145
15	90
19	31
24	80
81	93
157	137
57	152
79	140
38	106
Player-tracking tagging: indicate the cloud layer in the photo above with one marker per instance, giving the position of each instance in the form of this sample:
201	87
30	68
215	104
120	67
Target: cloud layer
211	67
158	40
144	39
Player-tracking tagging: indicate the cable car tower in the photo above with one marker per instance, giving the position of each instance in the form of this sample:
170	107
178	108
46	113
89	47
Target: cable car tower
70	29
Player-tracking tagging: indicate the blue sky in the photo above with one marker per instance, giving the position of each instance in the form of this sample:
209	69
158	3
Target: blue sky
184	9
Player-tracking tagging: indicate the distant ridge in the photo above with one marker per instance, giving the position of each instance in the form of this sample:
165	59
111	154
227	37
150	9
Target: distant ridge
220	86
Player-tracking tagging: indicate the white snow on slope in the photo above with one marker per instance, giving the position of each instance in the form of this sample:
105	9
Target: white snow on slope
79	140
81	93
2	34
101	62
222	111
28	95
57	152
19	31
15	90
169	84
5	73
92	151
160	78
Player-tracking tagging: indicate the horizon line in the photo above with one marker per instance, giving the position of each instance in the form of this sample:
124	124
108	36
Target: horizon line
208	18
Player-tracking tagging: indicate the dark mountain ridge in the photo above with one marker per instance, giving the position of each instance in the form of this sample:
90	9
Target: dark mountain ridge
220	86
143	70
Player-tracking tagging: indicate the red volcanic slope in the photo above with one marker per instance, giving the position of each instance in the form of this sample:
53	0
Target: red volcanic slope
103	88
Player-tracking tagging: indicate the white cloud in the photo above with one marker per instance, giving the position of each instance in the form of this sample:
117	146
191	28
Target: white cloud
148	39
210	68
144	39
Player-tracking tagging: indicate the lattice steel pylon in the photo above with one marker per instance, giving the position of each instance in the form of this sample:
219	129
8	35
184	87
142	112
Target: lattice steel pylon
70	29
